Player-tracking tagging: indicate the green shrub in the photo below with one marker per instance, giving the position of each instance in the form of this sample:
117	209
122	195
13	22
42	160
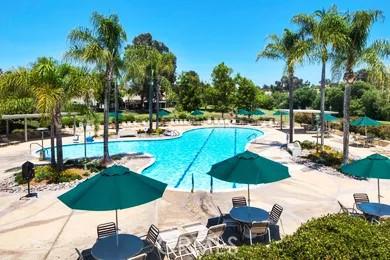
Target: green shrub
308	145
45	173
182	115
68	121
328	157
337	236
303	118
71	175
50	175
19	178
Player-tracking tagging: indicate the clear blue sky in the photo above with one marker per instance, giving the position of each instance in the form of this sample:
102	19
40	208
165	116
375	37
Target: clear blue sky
201	33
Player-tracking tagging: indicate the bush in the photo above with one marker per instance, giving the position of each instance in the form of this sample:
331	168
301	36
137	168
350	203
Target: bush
336	236
308	145
50	175
327	157
304	118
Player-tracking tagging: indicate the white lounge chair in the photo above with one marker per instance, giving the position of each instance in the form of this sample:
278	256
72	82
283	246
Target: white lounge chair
209	239
184	247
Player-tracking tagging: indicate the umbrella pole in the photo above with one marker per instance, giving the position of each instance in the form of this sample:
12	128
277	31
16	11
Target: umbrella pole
116	220
117	228
249	197
365	132
379	193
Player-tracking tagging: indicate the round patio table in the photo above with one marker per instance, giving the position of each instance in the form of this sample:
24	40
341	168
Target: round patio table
374	209
248	214
108	249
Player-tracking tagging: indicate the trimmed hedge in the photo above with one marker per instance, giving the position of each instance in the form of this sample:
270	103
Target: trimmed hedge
336	236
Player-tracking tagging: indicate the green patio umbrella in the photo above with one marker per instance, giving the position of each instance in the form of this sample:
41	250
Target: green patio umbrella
373	166
257	112
249	168
329	118
281	114
243	112
113	188
365	121
197	112
163	112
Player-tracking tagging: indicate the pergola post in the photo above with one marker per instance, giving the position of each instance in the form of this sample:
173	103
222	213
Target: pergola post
25	129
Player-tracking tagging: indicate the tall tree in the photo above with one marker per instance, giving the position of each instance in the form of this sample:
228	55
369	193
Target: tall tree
224	88
100	46
291	48
355	53
189	91
326	31
246	94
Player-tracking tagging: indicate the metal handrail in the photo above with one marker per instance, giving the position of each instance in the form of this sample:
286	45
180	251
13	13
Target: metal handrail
36	144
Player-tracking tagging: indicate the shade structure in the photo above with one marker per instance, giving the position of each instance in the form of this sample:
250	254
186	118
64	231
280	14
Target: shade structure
114	188
329	118
243	112
257	112
197	112
373	166
365	121
249	168
163	112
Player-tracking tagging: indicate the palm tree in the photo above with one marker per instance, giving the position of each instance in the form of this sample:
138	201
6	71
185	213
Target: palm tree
54	85
100	46
326	31
291	48
146	66
356	53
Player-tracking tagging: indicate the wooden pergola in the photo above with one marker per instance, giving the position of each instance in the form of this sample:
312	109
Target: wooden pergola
31	116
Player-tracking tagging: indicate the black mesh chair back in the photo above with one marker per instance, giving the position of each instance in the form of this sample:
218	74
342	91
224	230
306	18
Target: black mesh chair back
239	201
106	229
152	235
275	213
360	197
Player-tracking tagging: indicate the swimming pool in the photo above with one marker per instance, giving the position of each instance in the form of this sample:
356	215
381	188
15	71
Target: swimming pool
179	160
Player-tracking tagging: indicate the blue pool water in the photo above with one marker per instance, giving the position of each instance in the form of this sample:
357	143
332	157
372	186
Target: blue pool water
178	159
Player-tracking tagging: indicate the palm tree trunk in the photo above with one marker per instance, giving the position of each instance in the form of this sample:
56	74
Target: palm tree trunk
52	143
157	102
322	106
150	101
116	108
106	155
347	101
57	122
291	103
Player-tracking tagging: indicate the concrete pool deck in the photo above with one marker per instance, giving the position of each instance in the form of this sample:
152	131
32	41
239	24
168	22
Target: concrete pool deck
44	228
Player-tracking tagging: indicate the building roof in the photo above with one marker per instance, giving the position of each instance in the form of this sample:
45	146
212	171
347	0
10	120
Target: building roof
308	111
